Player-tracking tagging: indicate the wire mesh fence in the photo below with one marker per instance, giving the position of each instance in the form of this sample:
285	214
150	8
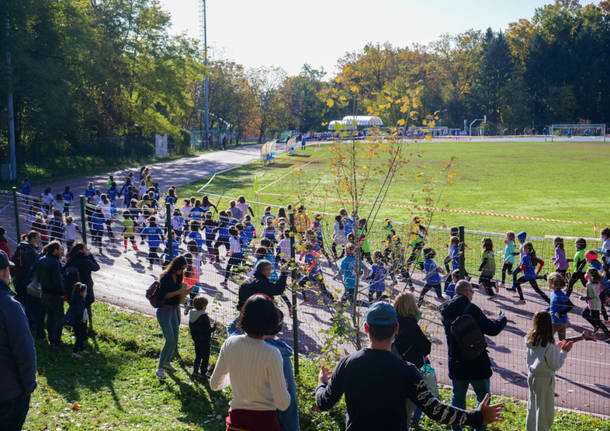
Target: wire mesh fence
132	243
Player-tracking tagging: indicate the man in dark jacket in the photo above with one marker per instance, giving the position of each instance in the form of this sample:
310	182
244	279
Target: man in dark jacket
477	371
17	356
24	257
377	384
259	283
48	272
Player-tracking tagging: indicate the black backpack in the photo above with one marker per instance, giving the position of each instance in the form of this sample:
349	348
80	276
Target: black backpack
152	294
467	336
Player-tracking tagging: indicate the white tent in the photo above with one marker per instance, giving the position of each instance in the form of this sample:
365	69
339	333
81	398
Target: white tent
360	121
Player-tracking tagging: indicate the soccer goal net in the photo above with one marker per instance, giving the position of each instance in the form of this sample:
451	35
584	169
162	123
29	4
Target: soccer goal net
577	130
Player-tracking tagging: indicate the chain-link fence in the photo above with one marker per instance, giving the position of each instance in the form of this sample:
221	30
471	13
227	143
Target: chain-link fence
132	240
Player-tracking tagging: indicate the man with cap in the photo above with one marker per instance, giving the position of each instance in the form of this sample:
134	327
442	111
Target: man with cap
376	384
17	355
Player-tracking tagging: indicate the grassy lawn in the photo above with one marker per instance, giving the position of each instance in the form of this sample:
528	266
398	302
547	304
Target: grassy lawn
113	388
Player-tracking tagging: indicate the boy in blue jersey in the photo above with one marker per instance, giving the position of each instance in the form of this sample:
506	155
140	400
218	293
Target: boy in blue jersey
223	235
377	277
194	234
560	304
347	270
154	236
529	273
432	279
209	226
68	196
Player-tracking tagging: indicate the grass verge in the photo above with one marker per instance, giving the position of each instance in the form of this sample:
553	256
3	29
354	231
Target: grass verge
113	388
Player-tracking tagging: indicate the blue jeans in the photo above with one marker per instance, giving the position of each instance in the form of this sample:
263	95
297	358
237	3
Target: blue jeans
13	412
168	319
460	387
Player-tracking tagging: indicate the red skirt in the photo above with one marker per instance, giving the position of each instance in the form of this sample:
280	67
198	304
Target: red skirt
252	420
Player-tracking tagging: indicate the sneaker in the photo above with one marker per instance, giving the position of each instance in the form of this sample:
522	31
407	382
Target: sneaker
520	301
512	289
169	367
588	335
160	374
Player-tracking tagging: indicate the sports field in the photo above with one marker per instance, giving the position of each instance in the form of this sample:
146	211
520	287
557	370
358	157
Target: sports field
563	181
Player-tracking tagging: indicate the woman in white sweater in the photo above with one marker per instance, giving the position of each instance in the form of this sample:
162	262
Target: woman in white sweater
544	357
253	369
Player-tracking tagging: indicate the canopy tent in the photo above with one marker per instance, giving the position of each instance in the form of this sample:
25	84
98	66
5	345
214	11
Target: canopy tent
362	121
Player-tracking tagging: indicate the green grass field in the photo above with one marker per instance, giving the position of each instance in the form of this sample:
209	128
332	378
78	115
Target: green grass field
564	181
113	387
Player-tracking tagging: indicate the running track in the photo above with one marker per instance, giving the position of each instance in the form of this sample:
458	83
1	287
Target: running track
583	383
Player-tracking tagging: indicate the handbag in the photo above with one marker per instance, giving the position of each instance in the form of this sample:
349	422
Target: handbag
34	288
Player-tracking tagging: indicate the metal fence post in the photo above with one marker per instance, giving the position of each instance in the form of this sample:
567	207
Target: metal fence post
17	228
462	254
83	220
295	320
168	226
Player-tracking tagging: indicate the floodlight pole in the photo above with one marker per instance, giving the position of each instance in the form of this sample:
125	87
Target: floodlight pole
206	79
12	154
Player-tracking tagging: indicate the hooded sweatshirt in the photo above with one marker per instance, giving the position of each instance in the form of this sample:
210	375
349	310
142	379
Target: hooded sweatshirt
543	361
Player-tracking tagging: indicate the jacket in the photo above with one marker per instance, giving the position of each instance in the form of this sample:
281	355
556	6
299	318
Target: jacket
85	264
260	284
48	272
543	361
17	351
479	367
410	342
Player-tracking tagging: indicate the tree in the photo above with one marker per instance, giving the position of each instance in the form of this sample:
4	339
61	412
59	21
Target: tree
266	82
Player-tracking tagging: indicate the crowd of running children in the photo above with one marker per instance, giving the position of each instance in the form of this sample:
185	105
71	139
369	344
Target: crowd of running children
202	229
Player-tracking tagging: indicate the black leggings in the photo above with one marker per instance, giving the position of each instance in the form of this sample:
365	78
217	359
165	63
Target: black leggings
80	335
108	224
152	255
592	316
234	261
372	294
427	287
506	268
534	285
334	249
578	275
602	297
488	284
202	354
317	281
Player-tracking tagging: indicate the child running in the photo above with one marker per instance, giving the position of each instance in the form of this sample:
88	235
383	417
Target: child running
488	267
432	279
154	236
527	266
580	263
377	277
508	255
559	259
128	232
235	254
591	313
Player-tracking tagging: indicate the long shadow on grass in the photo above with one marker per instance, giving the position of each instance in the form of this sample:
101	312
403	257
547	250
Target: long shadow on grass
66	374
198	401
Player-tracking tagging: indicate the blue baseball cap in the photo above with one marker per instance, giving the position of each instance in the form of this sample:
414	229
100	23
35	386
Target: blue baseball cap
381	314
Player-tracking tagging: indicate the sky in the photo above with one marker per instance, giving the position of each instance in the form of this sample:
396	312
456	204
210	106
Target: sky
288	33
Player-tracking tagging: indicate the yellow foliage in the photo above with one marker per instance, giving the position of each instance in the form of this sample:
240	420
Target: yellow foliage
330	103
401	122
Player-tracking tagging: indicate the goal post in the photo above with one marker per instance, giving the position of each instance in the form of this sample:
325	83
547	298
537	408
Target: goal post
578	131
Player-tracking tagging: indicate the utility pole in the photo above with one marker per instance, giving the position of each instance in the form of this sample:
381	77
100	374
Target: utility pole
206	83
12	156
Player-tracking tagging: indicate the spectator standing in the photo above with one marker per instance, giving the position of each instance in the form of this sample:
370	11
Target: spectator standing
170	290
80	258
4	242
544	357
24	257
49	274
462	371
376	384
254	369
201	330
17	356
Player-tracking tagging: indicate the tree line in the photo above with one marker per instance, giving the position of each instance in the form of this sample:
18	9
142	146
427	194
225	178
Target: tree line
102	77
